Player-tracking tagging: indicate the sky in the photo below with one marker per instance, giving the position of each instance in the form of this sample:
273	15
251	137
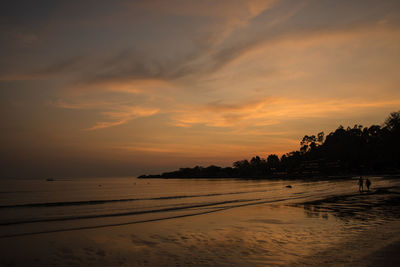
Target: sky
123	88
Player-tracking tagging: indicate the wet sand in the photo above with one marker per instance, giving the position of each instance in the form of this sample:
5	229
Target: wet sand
375	216
385	256
356	230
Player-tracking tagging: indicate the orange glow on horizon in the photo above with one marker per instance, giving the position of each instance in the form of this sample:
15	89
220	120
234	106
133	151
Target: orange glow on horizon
138	84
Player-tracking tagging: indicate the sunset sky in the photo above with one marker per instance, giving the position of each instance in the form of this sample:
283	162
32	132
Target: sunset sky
122	88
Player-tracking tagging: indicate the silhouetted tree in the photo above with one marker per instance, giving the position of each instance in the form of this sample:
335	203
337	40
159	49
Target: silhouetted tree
392	123
354	149
273	162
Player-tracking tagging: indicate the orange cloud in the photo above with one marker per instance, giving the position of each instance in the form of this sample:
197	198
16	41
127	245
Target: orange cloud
271	111
139	87
190	150
222	57
117	113
123	116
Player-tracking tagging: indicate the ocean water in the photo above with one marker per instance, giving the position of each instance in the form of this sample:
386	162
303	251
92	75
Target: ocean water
260	222
24	202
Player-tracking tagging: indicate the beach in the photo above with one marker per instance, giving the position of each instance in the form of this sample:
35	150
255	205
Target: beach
240	223
200	133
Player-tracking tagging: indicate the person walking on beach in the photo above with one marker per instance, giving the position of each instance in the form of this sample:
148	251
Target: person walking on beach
367	183
360	184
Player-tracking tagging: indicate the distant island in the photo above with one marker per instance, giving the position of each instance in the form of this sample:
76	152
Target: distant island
362	150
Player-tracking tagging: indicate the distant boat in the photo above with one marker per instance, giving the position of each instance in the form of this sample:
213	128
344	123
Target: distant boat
49	179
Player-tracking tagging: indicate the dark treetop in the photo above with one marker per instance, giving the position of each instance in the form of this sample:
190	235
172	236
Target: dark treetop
374	149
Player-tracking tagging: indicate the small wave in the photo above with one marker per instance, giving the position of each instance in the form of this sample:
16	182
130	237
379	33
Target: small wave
109	225
16	192
216	208
105	201
93	216
225	204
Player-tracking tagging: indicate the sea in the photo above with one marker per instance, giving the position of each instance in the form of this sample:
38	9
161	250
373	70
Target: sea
28	201
30	207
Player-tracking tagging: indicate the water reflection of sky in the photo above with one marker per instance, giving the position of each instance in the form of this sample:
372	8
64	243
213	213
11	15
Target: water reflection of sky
335	229
383	205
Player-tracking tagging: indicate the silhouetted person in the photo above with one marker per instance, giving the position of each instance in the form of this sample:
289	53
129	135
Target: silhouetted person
367	183
360	184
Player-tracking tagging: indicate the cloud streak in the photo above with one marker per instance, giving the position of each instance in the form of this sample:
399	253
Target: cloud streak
118	113
271	111
123	116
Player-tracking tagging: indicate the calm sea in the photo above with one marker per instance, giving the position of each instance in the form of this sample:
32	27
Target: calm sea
34	206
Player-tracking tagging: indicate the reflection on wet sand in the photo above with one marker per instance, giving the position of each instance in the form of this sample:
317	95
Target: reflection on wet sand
369	225
381	204
334	230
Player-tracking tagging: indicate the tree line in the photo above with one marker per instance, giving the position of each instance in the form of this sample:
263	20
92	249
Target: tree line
357	149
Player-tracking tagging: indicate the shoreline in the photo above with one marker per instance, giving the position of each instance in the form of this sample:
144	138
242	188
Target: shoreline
304	177
378	240
213	240
338	230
